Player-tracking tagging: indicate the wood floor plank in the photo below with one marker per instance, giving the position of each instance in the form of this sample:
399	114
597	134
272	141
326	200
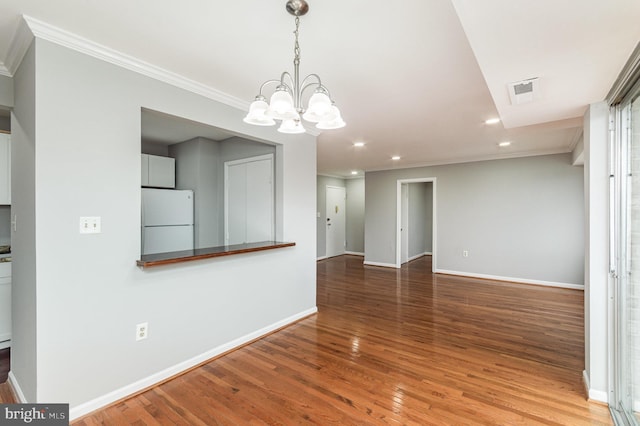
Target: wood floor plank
394	347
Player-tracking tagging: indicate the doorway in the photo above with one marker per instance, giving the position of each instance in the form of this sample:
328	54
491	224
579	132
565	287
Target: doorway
408	225
336	220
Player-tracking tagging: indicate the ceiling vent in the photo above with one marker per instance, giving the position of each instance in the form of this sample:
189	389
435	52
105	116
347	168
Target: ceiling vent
525	91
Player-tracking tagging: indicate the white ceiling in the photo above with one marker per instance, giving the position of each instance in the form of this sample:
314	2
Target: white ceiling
415	78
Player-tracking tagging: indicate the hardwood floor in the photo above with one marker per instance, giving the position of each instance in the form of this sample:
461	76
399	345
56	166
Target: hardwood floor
393	347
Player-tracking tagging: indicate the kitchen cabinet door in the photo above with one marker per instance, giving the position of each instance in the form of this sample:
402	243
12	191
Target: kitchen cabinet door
158	172
5	168
162	172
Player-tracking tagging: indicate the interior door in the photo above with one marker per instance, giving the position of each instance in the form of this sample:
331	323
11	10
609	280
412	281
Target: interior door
336	220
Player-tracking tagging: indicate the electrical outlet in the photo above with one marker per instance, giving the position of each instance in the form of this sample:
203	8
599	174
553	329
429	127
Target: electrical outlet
142	331
465	253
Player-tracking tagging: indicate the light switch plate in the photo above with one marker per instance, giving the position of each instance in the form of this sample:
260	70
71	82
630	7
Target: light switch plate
90	225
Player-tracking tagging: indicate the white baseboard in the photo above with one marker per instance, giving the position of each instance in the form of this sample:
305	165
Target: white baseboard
417	256
15	388
594	395
511	279
384	265
321	258
354	253
118	394
5	343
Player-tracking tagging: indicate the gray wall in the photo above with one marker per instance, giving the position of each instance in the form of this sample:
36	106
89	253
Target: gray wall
197	164
78	129
355	215
24	316
6	91
5	225
518	218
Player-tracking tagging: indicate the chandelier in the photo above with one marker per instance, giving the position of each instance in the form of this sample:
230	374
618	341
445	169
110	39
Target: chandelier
285	103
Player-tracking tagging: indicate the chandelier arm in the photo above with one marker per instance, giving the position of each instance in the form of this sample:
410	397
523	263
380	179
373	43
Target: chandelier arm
263	85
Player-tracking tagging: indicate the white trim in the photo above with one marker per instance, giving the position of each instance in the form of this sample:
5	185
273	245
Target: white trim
384	265
321	258
4	70
80	44
593	395
510	279
15	388
22	39
6	343
434	221
417	256
354	253
102	401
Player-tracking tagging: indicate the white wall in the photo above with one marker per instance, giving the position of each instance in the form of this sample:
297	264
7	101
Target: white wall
520	219
84	160
596	189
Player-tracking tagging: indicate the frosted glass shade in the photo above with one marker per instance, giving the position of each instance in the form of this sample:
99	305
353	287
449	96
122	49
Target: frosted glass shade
281	106
291	127
336	123
257	114
319	108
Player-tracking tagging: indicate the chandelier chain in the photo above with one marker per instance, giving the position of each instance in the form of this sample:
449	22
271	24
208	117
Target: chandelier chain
296	48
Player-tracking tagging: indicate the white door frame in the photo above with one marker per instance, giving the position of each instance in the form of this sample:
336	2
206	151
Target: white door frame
227	164
434	226
326	232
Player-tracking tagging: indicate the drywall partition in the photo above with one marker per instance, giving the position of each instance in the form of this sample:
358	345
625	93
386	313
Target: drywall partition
596	190
355	216
24	356
197	164
428	217
518	219
6	91
90	295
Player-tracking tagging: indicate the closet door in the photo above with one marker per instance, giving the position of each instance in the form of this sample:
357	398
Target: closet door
249	200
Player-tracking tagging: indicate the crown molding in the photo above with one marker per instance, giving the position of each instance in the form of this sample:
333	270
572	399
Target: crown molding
45	31
22	39
4	71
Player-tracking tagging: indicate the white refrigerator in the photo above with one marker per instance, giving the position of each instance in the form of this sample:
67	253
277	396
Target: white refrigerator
167	220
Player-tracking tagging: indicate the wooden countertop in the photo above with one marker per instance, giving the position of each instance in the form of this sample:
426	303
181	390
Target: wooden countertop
148	260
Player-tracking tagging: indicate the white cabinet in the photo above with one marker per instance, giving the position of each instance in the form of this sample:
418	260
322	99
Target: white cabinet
158	172
5	305
5	168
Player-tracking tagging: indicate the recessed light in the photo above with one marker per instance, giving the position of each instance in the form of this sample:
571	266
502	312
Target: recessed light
492	121
395	157
504	144
353	172
358	144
